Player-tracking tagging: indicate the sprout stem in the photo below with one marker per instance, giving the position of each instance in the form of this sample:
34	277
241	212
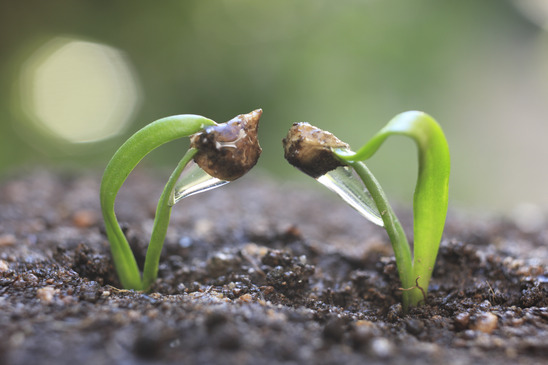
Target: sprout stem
393	228
431	191
118	169
237	156
161	222
316	152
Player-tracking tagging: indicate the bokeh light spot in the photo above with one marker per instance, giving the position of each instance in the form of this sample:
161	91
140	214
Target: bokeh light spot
78	91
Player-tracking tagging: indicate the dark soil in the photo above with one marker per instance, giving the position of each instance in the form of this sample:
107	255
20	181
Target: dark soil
254	273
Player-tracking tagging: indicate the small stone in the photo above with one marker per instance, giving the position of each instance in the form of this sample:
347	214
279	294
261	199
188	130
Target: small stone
394	312
485	305
486	322
4	266
7	240
246	298
46	294
414	326
517	322
84	218
462	320
469	335
185	242
382	347
30	278
254	250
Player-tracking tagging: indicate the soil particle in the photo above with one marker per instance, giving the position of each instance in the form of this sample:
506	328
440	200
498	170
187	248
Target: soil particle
46	293
85	218
272	275
4	266
381	347
485	322
462	320
7	240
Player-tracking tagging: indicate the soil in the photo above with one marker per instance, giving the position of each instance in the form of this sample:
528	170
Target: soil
256	273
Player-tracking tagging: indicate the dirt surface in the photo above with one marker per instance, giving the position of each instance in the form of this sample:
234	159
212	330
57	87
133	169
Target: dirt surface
254	273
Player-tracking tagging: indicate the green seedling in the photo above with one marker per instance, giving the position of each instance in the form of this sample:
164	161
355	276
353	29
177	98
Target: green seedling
218	153
330	161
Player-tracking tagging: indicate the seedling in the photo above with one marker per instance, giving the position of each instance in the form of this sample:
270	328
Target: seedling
218	153
327	159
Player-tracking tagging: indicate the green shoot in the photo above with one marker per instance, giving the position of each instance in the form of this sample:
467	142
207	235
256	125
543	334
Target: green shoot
430	198
223	151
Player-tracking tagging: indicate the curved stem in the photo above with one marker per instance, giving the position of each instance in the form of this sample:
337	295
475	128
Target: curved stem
393	228
118	169
431	191
161	222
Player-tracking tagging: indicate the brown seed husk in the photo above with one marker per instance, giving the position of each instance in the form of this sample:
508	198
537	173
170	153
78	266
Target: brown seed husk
229	150
310	149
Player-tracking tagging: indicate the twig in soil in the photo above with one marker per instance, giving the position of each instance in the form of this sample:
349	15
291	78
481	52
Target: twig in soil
253	263
491	292
113	289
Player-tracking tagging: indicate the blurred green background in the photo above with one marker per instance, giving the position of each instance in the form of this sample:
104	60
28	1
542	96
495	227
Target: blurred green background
78	77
